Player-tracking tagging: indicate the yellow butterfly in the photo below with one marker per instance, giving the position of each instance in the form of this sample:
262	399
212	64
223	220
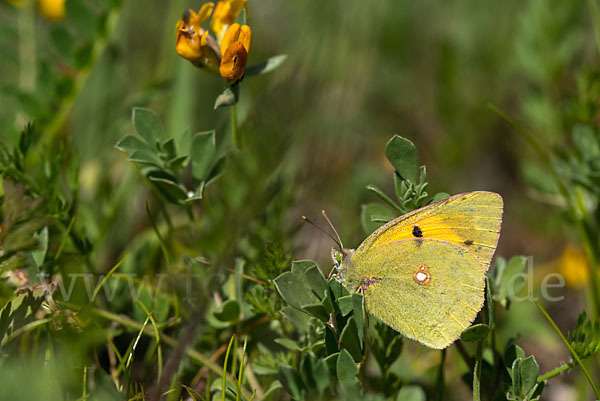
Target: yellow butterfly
423	273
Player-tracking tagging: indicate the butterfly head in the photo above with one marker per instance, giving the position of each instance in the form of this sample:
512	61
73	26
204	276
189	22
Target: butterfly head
341	260
341	256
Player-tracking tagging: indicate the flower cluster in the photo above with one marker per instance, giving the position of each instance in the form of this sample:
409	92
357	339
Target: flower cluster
227	52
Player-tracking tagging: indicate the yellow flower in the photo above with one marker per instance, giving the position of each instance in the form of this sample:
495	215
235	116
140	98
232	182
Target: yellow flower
193	43
574	266
225	14
52	9
235	47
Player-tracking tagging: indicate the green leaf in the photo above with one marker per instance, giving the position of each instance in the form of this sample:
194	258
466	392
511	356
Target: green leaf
403	155
345	304
40	253
331	343
289	344
184	142
177	162
292	382
230	311
512	353
316	280
171	191
377	191
294	289
147	123
489	301
318	311
337	289
301	266
327	302
411	393
299	319
350	341
315	372
131	143
161	308
440	196
357	313
169	149
204	148
197	195
145	158
331	361
346	369
228	97
374	215
528	370
217	170
475	333
266	66
272	390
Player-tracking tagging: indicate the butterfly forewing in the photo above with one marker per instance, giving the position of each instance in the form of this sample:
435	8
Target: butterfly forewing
471	220
428	290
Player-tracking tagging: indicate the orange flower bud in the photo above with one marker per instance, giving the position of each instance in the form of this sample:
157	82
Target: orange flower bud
52	9
225	14
235	47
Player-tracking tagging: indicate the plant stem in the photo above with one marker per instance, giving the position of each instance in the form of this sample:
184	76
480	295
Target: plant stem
555	372
106	277
85	374
28	327
477	372
235	134
439	383
575	356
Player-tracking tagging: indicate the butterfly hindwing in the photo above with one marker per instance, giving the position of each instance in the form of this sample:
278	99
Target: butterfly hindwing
428	290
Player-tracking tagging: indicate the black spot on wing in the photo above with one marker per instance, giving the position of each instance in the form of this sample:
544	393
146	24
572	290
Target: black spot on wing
417	232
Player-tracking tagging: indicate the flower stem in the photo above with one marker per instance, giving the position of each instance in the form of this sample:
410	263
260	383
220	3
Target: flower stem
562	337
235	134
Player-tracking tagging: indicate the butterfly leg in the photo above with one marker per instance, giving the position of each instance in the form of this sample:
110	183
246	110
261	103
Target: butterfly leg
337	274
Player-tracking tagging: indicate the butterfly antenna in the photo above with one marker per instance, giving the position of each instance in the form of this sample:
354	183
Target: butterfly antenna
309	221
339	240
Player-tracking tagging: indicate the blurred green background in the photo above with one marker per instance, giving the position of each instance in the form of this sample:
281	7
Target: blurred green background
357	73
